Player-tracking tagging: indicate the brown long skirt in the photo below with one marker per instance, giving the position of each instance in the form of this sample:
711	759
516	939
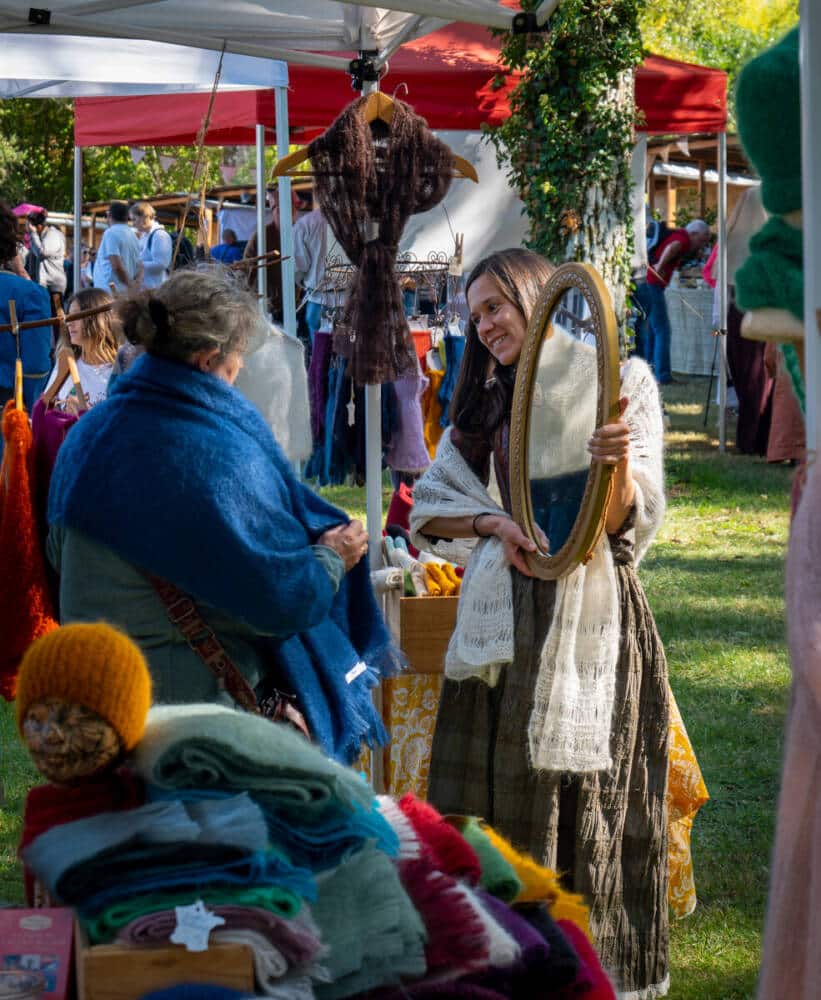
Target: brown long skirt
606	831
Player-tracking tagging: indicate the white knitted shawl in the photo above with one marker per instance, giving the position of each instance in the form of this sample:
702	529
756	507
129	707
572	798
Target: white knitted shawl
570	725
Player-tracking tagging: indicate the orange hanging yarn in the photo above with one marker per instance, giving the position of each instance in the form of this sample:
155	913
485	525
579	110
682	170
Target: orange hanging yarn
26	610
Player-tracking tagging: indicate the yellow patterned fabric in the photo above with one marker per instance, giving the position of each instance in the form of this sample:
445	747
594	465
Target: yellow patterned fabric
409	706
686	794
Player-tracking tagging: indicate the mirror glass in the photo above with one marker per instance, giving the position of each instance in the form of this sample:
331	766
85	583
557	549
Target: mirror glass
562	417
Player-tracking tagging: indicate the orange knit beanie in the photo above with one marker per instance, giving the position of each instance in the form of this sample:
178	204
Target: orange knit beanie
91	665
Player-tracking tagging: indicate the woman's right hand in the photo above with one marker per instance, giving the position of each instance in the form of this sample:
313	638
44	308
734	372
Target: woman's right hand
349	541
514	540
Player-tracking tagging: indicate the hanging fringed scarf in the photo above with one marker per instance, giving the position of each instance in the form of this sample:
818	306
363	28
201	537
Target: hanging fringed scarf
364	188
25	605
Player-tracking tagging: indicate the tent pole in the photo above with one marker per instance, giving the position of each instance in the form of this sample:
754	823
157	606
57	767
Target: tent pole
373	446
810	151
77	256
373	495
262	272
286	221
722	281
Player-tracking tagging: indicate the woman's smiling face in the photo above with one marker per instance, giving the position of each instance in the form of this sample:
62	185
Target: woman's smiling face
499	324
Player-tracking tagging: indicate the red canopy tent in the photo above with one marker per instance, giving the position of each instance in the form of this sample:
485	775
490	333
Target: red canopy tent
449	76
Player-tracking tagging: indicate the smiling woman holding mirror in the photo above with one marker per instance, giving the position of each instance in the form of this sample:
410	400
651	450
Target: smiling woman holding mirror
553	722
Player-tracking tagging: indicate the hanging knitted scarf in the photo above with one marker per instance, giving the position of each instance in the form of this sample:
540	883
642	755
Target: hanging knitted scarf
25	604
360	180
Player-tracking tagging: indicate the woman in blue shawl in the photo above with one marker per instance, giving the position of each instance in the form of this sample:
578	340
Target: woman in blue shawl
177	476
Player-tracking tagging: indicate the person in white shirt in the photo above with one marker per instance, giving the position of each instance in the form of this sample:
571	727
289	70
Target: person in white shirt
156	247
118	256
94	343
310	251
48	246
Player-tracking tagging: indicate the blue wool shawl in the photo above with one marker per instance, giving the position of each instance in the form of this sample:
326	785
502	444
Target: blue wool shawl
179	475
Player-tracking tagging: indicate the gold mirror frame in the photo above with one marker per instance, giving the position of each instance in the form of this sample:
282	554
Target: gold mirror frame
590	520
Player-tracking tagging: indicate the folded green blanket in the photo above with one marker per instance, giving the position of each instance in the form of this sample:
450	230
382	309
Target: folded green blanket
212	746
374	934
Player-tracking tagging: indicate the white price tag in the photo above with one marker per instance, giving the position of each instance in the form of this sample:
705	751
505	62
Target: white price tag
194	924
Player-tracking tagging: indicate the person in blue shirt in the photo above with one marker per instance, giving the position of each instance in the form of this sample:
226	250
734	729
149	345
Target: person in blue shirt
227	252
32	303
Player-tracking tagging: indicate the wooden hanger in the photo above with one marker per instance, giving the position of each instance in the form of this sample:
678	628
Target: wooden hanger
18	364
66	363
378	107
66	366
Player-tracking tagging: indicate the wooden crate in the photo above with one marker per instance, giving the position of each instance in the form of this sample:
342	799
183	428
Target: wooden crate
425	627
117	972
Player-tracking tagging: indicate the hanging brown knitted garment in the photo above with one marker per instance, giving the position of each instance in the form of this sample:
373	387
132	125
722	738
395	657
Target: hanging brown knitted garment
360	178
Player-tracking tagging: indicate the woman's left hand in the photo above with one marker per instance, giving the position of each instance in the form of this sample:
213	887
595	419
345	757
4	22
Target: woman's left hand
610	443
349	541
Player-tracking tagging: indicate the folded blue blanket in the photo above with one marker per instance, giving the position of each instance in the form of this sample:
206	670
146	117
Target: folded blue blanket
316	840
118	874
233	821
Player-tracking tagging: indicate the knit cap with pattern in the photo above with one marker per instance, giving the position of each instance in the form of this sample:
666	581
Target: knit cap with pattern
93	665
768	108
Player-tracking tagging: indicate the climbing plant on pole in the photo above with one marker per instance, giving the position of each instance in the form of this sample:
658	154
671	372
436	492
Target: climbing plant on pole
568	141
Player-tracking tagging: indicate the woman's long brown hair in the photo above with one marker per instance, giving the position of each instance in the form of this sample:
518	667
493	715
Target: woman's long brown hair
477	407
101	331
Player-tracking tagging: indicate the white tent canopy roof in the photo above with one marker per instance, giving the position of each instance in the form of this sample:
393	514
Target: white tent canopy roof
284	29
108	67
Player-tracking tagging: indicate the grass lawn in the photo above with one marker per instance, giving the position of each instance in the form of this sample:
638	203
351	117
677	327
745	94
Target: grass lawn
715	582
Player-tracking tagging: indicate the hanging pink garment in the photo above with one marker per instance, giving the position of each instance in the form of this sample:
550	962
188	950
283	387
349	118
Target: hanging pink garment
792	941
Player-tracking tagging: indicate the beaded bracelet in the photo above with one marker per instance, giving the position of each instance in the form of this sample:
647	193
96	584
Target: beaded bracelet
484	513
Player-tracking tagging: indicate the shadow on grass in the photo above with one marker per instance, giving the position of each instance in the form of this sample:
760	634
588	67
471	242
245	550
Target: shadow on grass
666	556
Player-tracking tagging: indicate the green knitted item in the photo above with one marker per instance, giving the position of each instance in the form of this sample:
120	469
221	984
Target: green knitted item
793	367
768	110
773	275
373	933
499	877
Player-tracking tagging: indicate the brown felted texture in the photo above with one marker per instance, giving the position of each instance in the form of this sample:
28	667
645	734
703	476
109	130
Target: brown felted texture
358	179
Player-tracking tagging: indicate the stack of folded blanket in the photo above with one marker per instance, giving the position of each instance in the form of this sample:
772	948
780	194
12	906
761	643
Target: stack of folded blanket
336	892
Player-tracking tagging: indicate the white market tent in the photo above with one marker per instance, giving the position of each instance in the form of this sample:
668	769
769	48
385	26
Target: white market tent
66	66
94	67
308	32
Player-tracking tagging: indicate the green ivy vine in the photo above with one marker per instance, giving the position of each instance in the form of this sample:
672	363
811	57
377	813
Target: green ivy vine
570	133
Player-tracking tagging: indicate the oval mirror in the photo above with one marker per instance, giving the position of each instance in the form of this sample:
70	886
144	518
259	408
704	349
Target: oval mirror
567	385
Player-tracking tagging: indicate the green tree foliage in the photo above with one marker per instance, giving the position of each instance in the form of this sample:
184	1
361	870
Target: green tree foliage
720	33
37	152
39	138
568	140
